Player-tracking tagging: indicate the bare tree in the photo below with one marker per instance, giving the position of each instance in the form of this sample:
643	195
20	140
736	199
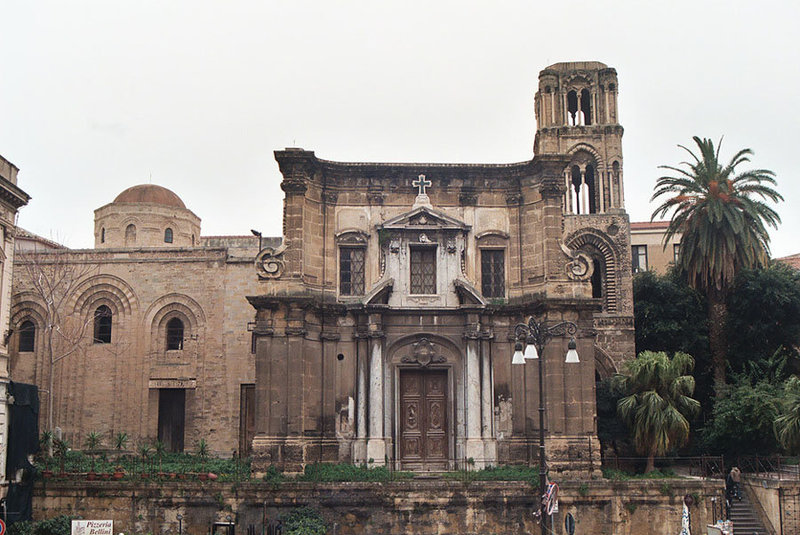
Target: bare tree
53	278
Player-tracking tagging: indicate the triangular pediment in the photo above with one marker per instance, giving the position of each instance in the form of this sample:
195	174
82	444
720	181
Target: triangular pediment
422	218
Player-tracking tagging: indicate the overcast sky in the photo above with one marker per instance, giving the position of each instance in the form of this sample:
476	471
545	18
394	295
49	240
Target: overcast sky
195	95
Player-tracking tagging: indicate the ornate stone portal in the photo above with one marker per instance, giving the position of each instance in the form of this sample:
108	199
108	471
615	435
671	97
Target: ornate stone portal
392	300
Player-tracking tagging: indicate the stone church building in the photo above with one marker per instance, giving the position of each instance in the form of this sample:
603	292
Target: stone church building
379	328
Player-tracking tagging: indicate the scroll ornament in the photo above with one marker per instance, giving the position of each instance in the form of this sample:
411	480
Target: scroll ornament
580	266
270	263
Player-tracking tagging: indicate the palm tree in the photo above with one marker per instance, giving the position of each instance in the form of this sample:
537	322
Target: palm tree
722	218
787	425
657	402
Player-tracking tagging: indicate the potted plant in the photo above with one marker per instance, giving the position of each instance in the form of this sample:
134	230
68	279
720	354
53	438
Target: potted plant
46	452
160	449
119	472
202	453
92	443
120	443
144	452
60	449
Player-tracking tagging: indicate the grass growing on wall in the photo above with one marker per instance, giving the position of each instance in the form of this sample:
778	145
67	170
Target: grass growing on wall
168	463
350	472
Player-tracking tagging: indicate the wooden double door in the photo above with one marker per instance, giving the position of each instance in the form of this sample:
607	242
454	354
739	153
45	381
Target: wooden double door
424	443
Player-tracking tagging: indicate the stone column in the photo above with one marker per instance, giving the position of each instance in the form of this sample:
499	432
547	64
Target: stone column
376	446
474	445
294	450
360	445
487	395
584	193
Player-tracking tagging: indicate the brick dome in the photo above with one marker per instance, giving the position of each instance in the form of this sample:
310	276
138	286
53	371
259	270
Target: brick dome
150	194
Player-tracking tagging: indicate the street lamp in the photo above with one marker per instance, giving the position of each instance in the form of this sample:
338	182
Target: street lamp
531	339
180	523
257	234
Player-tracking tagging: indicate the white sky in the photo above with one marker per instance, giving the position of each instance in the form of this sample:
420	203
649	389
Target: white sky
97	96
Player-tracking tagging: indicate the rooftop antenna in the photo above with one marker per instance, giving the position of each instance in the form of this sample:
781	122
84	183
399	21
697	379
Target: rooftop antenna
151	177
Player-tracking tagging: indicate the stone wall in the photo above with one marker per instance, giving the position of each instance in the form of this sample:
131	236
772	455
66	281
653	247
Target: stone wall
115	387
416	507
778	502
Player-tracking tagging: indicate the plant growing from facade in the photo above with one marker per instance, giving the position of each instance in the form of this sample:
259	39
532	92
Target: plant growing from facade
722	218
657	402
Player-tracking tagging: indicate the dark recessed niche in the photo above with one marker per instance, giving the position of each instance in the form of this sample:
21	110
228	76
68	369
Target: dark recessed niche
339	357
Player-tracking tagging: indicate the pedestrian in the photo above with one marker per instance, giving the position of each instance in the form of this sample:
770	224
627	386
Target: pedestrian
736	478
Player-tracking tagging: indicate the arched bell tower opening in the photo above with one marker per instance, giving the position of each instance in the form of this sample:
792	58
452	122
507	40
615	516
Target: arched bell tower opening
582	195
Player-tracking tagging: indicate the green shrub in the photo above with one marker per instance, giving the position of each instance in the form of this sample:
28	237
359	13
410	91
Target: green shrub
58	525
304	521
21	528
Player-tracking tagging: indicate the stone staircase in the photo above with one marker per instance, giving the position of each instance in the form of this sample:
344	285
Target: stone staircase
745	519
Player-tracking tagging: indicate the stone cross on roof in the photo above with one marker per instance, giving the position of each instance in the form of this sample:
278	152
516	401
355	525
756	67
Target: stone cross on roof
421	182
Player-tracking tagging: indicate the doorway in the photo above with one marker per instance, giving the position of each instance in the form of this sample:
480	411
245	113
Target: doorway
171	418
247	419
423	443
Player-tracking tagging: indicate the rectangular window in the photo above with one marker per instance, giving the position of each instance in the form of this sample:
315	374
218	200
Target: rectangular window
639	254
423	270
351	270
676	250
493	267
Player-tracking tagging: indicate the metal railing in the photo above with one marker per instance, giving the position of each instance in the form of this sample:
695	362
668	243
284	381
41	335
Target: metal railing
704	466
777	467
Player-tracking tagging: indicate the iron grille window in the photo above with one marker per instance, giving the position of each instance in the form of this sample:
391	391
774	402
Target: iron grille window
351	270
174	334
102	325
423	270
493	268
168	236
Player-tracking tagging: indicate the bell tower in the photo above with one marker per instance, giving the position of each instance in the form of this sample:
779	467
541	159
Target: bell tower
576	114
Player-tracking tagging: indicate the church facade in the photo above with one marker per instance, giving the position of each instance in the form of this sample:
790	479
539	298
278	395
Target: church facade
379	329
386	319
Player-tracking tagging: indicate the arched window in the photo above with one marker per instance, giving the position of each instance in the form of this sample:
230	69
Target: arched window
27	336
597	278
130	234
586	107
102	325
575	190
591	194
572	108
102	235
168	236
174	334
